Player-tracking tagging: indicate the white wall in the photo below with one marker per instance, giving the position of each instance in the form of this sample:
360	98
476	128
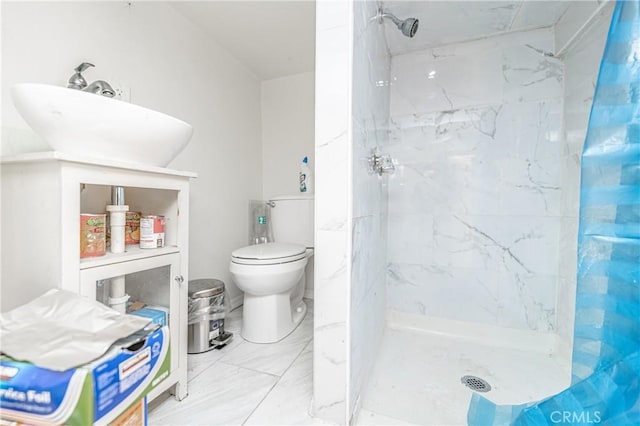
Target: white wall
169	65
288	118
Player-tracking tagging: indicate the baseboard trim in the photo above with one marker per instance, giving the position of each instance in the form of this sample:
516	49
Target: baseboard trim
308	294
237	301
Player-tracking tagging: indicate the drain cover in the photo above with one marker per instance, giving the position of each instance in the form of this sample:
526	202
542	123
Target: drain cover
476	383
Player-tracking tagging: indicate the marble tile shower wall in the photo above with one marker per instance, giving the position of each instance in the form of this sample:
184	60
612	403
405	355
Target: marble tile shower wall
475	205
582	63
352	116
334	35
370	118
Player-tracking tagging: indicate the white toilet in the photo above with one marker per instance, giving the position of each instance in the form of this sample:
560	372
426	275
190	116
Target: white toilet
272	275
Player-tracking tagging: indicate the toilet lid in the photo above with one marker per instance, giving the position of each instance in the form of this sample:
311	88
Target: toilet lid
269	253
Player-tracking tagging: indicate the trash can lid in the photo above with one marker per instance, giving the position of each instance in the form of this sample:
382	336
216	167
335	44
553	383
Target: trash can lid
205	287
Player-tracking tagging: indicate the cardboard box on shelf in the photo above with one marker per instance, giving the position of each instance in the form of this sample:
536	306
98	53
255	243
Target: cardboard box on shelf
157	314
98	392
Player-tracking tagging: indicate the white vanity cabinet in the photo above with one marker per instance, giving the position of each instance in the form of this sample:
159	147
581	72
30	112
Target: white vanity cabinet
43	195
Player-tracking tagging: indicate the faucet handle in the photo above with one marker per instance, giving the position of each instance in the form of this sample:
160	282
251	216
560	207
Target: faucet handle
83	66
77	81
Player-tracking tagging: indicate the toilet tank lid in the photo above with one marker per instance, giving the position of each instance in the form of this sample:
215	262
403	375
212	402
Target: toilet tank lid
269	251
292	197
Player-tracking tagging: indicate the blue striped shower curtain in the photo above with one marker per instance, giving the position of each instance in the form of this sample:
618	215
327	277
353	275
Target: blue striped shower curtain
605	387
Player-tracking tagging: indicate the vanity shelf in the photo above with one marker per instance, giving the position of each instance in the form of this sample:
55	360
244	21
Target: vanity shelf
133	252
43	195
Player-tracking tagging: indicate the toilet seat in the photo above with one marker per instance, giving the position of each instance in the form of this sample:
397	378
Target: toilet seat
269	254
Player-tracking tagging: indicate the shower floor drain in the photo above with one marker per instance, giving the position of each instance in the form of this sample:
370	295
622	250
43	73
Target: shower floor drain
475	383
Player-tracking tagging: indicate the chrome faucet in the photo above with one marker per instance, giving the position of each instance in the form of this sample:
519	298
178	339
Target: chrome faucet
77	81
99	87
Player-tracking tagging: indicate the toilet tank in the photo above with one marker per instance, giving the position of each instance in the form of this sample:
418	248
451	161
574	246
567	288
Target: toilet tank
292	219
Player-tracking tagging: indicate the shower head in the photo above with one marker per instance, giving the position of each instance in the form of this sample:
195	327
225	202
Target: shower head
409	26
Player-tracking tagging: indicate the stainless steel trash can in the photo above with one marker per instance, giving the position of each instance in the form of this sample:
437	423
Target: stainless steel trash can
206	315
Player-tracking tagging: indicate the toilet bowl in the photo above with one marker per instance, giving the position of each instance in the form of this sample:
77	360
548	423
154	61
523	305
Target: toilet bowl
272	278
272	275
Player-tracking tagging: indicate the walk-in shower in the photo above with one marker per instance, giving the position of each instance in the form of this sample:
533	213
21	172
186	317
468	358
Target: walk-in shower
463	262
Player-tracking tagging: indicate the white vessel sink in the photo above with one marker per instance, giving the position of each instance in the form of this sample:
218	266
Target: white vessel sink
81	123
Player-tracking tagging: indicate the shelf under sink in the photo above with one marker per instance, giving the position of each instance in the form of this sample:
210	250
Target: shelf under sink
131	253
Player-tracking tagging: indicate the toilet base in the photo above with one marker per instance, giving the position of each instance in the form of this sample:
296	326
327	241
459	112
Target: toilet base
269	319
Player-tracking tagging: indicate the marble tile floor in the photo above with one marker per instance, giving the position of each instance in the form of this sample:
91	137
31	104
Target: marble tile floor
427	390
246	383
251	384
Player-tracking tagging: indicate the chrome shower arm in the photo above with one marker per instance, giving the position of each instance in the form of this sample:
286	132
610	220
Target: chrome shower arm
382	14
